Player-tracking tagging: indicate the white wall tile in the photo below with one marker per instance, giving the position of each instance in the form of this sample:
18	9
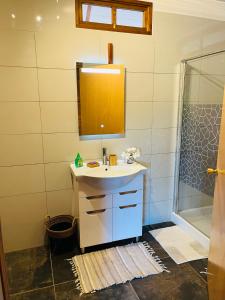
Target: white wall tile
214	64
139	115
211	89
147	190
60	48
18	180
191	88
21	149
192	202
89	149
17	48
166	87
176	38
129	50
19	117
139	86
164	140
140	139
160	212
59	147
190	197
134	138
185	190
59	202
162	165
146	161
161	189
58	176
165	114
146	214
147	187
57	85
18	84
64	147
59	117
23	221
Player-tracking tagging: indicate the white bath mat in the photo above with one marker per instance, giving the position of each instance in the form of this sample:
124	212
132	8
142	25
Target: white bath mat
101	269
180	246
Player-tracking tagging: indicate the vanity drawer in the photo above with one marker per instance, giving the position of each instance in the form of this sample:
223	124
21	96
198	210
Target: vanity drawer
95	227
127	221
127	197
90	203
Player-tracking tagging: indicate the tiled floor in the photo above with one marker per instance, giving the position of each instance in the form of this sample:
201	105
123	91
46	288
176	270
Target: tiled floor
41	274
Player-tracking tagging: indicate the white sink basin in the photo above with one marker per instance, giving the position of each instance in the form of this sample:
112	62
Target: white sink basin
108	176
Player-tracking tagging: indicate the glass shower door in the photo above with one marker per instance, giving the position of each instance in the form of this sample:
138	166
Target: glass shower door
201	116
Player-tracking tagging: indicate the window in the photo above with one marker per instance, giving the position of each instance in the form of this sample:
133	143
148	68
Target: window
133	16
96	14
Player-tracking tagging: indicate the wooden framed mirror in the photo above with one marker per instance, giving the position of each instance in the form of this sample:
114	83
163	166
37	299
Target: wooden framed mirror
101	105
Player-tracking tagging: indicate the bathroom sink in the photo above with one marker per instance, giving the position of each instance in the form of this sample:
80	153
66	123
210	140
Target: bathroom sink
108	176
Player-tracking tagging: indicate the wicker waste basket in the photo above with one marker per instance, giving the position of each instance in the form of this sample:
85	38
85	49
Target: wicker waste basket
60	227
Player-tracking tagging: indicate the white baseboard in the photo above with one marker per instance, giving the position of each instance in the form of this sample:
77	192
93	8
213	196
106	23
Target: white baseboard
196	234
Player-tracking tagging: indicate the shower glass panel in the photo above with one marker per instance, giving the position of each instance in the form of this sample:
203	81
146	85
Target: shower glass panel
201	116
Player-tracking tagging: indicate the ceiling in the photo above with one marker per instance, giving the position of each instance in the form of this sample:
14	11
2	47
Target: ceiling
210	9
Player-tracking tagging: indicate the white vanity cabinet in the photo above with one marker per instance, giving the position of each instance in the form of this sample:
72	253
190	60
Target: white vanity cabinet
109	214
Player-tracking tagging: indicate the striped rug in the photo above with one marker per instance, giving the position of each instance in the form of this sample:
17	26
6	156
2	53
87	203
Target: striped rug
101	269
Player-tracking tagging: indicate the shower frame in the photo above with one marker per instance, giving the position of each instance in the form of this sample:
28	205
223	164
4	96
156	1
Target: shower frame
183	65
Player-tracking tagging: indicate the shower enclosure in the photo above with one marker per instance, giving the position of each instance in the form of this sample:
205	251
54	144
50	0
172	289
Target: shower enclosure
200	117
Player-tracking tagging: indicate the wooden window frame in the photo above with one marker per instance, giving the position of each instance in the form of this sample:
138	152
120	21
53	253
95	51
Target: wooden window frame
145	7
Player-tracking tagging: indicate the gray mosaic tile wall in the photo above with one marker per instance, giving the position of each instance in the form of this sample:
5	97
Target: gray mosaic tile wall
199	145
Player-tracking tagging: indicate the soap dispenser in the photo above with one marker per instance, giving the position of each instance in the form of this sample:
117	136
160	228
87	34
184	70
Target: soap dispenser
78	161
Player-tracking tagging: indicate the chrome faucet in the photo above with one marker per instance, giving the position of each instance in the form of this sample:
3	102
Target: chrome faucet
104	156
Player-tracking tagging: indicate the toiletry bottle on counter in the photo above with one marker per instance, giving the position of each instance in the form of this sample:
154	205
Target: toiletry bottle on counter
112	159
78	161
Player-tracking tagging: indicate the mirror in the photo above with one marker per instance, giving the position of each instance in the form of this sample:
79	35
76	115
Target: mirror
101	106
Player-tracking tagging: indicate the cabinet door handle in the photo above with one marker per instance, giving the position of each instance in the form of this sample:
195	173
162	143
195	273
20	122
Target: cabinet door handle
94	212
95	197
128	192
127	206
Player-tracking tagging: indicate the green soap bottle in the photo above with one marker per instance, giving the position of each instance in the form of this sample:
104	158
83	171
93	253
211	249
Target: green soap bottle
78	161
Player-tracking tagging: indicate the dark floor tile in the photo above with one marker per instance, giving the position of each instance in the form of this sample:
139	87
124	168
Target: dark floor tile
61	246
169	263
29	269
154	245
67	291
161	225
62	270
40	294
182	283
146	228
200	265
